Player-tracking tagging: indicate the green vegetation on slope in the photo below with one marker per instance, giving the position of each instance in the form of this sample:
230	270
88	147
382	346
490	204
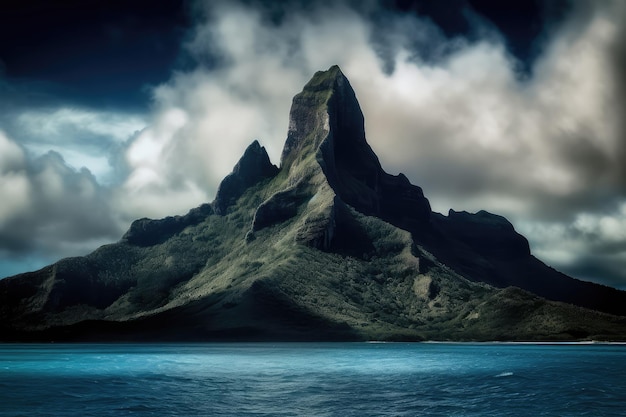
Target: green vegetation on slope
286	257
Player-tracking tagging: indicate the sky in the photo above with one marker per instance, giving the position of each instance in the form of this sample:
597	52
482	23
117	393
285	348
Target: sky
116	110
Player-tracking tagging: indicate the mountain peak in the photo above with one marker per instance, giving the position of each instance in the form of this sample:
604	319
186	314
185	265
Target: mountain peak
325	80
326	122
328	97
251	168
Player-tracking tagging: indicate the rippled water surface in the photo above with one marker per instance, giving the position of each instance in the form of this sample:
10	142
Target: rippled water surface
313	379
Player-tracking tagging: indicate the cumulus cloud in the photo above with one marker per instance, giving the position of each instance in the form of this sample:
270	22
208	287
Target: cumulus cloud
48	206
59	169
459	117
532	146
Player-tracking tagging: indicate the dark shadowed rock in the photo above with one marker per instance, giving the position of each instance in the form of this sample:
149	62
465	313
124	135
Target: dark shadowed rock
486	233
326	121
485	247
148	232
253	167
281	206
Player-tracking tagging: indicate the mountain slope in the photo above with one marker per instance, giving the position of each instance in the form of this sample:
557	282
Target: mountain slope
328	247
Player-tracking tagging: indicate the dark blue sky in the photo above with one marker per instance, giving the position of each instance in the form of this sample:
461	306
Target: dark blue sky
106	52
97	52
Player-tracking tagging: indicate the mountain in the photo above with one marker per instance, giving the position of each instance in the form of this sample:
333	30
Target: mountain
327	247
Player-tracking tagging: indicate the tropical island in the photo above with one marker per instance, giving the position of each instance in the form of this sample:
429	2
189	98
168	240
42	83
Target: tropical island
327	246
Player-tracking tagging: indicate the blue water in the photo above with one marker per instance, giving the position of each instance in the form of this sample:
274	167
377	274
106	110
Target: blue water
313	379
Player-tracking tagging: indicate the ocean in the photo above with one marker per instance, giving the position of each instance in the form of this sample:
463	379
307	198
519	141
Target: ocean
313	379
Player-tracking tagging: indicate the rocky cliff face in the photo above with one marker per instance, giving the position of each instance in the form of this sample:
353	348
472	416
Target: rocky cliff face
329	163
253	167
327	247
326	121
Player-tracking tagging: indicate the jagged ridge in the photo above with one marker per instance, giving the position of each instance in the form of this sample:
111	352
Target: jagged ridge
329	246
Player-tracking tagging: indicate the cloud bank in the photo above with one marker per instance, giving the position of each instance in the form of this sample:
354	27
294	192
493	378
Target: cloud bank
459	117
49	207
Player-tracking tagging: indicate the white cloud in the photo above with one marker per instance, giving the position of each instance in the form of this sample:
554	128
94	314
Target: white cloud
54	123
49	207
11	155
610	228
14	187
85	137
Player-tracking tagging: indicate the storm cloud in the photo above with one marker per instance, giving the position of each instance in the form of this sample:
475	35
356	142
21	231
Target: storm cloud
461	117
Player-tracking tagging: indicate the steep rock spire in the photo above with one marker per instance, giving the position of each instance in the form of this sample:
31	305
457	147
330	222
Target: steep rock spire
326	122
253	167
